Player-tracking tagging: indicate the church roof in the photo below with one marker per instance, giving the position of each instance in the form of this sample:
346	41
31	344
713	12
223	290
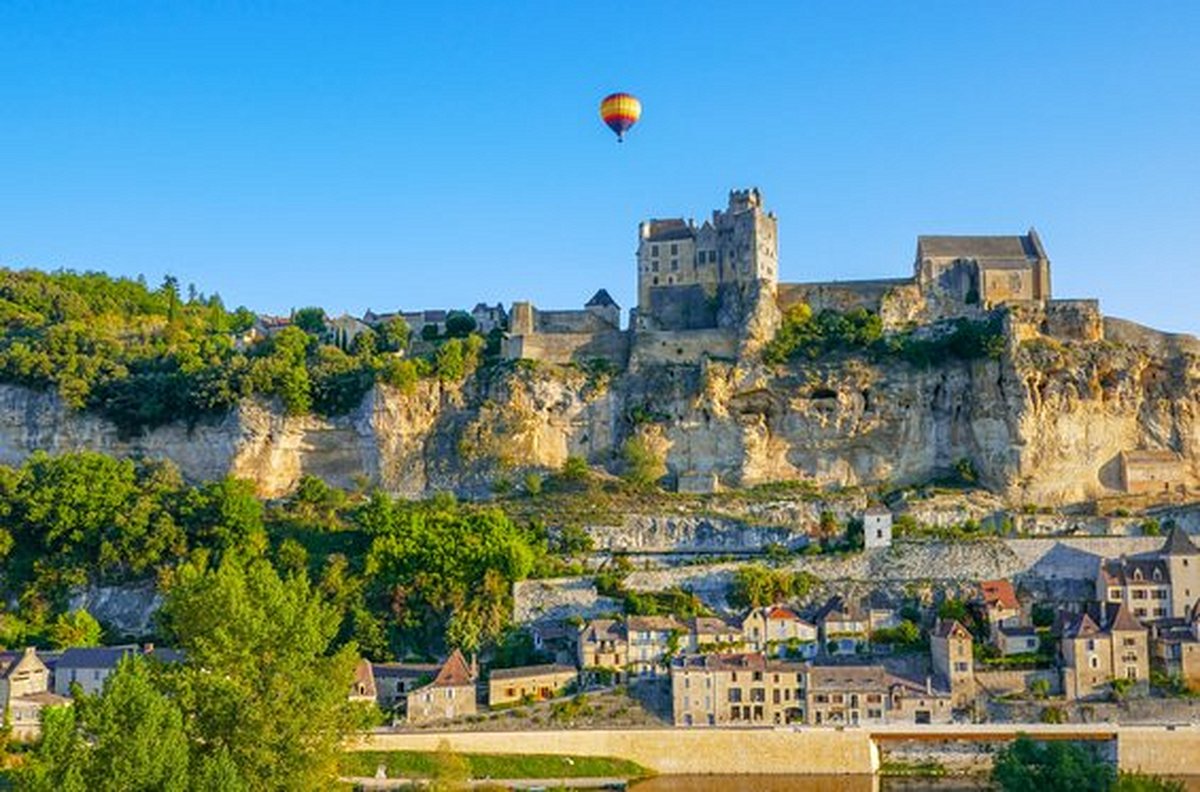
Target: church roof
601	299
1179	543
1023	247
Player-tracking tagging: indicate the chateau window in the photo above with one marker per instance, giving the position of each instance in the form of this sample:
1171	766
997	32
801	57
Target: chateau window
675	264
654	250
654	267
655	280
674	250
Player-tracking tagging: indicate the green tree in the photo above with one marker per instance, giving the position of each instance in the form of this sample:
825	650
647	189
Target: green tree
642	466
459	324
311	320
1030	766
261	683
393	335
136	733
59	762
75	628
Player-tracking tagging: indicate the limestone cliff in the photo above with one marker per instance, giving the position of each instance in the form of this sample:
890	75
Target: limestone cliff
1046	423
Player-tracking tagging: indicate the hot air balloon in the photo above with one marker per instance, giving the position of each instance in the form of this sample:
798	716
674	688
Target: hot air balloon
620	111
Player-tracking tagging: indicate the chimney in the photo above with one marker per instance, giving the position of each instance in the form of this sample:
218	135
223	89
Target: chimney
30	651
474	666
928	685
148	649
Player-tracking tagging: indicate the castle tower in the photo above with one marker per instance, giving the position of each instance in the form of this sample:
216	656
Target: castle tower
685	264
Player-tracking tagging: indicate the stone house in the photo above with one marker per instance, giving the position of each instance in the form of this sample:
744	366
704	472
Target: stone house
851	695
1149	472
88	667
952	652
1008	629
877	527
1092	655
394	681
604	643
1161	585
844	627
736	690
556	639
883	611
651	640
25	692
540	682
1175	648
709	634
450	695
489	317
779	631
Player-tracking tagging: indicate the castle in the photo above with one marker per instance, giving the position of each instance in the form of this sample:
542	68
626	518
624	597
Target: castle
711	290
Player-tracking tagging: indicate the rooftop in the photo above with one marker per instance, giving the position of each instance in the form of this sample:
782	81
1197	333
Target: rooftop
984	248
999	593
531	671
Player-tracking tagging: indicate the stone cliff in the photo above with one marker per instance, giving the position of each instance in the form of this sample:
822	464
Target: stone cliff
1046	423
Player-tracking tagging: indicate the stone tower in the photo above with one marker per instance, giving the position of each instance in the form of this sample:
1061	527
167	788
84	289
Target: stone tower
953	660
1183	566
682	266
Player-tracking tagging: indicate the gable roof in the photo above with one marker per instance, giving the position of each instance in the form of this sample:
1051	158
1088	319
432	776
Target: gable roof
364	680
837	609
1121	619
601	299
654	623
602	630
12	662
999	593
780	613
980	248
454	672
1081	626
1179	543
1123	571
667	230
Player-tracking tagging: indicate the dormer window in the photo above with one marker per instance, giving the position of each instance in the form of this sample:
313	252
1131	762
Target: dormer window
1157	575
1137	574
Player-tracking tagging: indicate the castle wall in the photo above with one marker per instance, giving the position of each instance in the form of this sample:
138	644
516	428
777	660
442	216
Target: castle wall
1074	320
563	348
683	307
580	321
898	301
683	346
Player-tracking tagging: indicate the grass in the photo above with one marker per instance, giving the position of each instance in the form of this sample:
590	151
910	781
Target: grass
418	764
925	769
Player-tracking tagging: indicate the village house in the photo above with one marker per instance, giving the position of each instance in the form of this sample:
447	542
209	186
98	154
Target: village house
844	627
651	640
1093	656
394	681
1161	585
1008	629
779	631
489	317
540	682
604	644
88	667
1152	472
736	690
25	692
556	640
712	634
450	695
883	612
1175	648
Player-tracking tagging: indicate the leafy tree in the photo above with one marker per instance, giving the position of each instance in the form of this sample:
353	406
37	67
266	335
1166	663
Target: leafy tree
1030	766
459	324
642	466
393	335
225	516
311	320
75	628
59	762
263	690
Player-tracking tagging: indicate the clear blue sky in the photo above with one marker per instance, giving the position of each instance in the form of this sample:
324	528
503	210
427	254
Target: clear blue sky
378	155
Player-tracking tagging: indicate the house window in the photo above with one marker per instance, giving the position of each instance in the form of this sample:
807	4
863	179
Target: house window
735	695
1129	642
1139	594
1095	662
1114	594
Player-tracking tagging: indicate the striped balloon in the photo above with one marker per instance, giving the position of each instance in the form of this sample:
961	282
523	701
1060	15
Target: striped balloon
620	111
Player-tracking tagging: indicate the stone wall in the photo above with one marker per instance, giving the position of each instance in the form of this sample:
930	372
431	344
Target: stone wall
669	751
898	301
563	347
999	683
690	346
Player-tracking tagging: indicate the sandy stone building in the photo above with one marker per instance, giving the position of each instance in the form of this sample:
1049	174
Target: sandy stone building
737	690
952	652
877	527
451	694
25	692
1146	472
779	631
1093	655
1160	585
540	682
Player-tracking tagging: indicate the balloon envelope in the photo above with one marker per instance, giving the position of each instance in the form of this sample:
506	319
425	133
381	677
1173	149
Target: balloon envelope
620	111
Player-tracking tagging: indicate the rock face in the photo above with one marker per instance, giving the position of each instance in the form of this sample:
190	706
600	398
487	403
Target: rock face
1045	423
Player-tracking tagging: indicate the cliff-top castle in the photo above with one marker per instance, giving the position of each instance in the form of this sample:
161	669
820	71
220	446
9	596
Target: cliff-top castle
712	290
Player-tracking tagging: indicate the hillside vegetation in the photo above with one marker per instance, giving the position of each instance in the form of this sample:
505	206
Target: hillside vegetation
144	357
